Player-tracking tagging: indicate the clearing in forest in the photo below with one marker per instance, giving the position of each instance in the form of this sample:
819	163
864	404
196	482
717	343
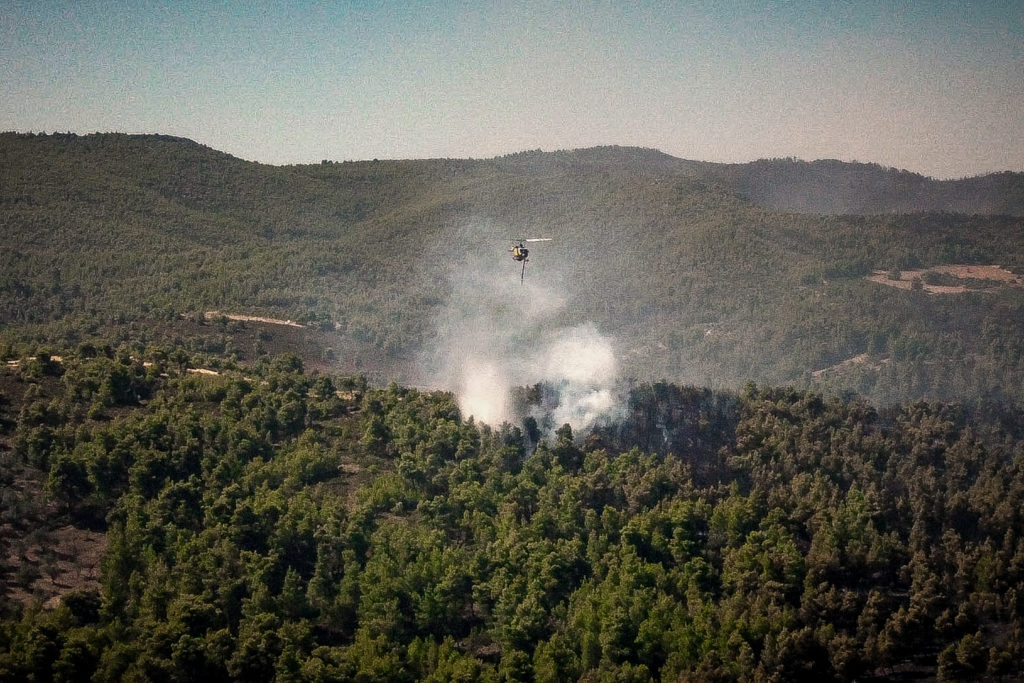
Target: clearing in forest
953	279
212	315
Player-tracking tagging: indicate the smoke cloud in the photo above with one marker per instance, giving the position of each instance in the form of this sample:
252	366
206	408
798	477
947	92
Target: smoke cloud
497	333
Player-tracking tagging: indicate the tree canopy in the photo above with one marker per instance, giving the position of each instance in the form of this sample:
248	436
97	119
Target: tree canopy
269	523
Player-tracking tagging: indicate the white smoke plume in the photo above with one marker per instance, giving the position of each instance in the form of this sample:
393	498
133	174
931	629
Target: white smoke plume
498	333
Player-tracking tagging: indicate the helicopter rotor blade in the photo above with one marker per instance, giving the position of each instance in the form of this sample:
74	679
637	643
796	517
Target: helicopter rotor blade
539	239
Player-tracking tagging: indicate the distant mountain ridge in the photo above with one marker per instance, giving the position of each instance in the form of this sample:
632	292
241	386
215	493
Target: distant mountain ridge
837	187
824	186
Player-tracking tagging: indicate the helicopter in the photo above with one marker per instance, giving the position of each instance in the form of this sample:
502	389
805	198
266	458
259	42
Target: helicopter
521	253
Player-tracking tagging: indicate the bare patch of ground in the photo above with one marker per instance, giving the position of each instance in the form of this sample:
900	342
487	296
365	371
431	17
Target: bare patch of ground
862	359
42	556
213	315
53	563
17	363
952	279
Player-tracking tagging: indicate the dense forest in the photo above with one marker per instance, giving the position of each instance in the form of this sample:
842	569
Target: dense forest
814	469
269	523
703	274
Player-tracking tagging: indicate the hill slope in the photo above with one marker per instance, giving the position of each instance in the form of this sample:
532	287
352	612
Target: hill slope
830	186
266	524
667	259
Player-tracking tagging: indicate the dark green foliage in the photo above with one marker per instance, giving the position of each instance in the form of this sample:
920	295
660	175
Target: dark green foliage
822	539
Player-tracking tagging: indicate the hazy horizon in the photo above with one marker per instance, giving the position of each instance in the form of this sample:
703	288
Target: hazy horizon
933	89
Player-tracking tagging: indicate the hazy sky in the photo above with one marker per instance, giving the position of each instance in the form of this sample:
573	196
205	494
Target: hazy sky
934	86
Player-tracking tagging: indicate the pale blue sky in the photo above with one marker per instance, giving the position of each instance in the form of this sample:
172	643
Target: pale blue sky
935	87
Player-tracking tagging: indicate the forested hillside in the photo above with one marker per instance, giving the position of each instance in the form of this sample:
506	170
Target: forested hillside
830	186
117	237
184	499
266	523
